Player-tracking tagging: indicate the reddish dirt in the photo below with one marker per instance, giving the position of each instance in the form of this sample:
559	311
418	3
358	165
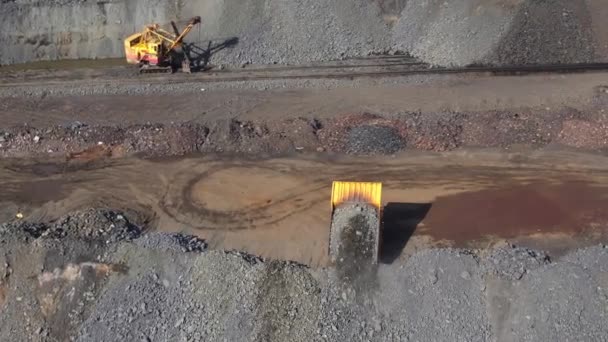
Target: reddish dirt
92	153
579	133
518	210
422	131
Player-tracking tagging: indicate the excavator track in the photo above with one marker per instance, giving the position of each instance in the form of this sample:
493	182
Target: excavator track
155	70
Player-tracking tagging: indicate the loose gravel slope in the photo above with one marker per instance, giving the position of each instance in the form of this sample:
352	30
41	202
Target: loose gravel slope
157	287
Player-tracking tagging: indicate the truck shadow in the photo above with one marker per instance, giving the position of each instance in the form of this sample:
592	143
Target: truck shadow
400	222
200	53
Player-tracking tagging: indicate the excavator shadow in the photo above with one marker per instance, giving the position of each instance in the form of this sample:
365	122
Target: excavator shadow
200	53
400	222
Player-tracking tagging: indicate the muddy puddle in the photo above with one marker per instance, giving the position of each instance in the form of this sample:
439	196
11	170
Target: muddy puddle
279	208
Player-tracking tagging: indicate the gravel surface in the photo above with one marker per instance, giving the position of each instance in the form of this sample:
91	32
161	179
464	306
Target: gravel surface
559	303
512	262
292	31
437	295
499	33
547	34
148	289
173	242
90	224
450	33
374	140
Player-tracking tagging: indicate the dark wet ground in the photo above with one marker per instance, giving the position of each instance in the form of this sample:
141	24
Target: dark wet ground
572	207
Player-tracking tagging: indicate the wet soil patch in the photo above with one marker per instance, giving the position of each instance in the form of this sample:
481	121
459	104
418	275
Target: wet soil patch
571	208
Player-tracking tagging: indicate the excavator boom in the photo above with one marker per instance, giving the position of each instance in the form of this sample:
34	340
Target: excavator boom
191	24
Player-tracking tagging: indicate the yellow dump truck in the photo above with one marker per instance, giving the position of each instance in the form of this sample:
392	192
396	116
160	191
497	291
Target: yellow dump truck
355	233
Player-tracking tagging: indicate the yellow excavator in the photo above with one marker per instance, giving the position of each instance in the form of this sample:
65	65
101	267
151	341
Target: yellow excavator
155	49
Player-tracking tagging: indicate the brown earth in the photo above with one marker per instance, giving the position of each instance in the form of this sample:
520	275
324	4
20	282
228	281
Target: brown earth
319	99
437	113
279	208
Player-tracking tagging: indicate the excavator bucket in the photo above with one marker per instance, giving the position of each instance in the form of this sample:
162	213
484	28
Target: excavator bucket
356	209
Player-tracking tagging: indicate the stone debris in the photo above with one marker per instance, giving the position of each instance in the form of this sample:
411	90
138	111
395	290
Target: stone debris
152	288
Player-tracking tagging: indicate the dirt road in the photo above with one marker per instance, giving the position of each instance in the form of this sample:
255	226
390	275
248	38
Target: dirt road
279	208
60	95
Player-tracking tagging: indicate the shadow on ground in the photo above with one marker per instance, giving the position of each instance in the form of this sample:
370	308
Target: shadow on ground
400	222
200	53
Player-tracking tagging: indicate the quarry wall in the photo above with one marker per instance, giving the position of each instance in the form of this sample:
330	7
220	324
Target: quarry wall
295	31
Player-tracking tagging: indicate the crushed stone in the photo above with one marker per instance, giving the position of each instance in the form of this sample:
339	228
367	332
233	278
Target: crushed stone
353	245
89	224
372	139
553	32
449	33
149	289
174	241
511	262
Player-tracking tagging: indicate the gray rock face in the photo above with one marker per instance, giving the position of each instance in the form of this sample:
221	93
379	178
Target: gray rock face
35	30
453	33
268	31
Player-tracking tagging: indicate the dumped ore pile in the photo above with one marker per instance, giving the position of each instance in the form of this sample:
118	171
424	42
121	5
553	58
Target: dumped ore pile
159	287
353	243
500	32
292	31
240	32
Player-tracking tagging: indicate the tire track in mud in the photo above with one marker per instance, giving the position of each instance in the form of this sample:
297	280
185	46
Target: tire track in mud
182	206
182	203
